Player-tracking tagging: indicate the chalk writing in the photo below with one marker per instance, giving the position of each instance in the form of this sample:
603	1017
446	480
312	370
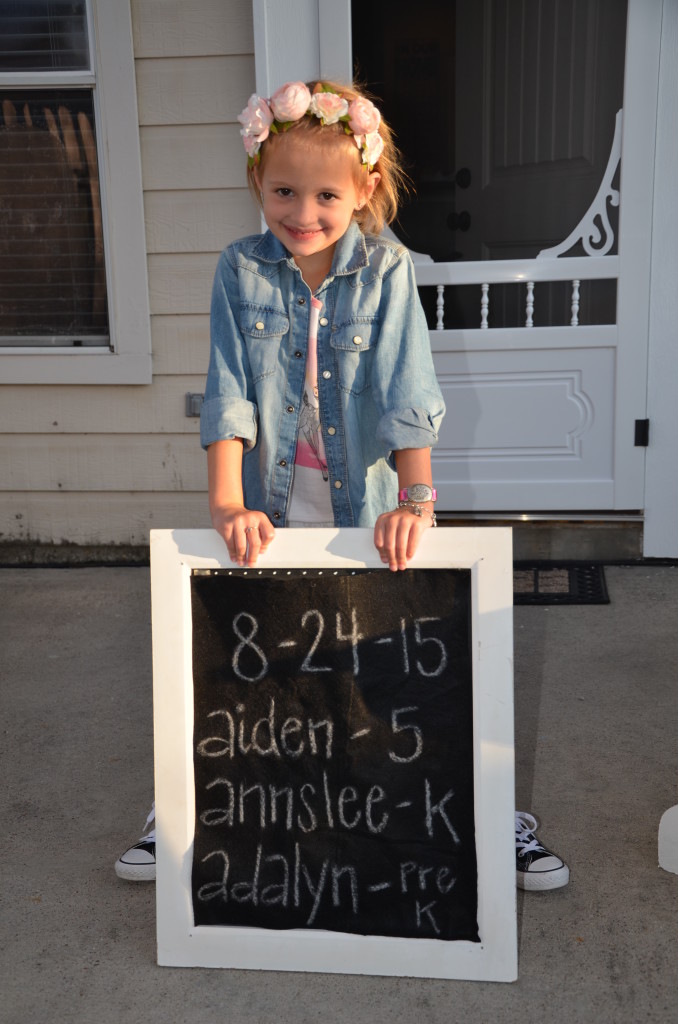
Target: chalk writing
307	665
314	619
333	752
307	807
247	642
292	739
399	726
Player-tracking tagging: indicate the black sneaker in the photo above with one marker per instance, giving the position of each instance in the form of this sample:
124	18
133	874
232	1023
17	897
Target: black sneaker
138	863
537	868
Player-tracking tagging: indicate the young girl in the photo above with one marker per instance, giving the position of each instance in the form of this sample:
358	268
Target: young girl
321	404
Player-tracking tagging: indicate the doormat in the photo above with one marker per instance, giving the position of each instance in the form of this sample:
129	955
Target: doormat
559	583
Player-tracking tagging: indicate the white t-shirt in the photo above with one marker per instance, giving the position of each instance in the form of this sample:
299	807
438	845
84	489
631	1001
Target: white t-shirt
310	500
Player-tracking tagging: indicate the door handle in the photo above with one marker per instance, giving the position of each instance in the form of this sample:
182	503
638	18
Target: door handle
462	178
459	221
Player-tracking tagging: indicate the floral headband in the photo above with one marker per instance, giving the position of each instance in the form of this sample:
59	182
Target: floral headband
293	101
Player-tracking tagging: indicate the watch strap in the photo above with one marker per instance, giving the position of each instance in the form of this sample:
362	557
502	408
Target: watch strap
404	494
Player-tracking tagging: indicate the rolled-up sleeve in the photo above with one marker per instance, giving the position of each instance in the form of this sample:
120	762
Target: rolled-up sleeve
229	409
404	382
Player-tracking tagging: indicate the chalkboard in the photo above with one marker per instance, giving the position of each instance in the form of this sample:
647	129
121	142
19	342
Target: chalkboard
334	755
333	751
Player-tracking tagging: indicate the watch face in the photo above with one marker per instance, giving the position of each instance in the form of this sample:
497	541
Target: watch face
420	492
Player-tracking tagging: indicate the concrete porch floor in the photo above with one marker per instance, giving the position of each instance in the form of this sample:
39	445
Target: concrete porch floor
596	757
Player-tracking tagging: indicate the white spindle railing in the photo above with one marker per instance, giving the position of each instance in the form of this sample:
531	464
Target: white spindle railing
484	304
440	307
529	305
593	232
486	273
575	303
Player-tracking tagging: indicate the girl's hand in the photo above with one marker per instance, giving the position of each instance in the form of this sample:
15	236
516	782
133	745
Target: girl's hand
397	534
247	533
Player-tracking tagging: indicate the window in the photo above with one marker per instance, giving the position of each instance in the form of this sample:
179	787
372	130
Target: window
73	289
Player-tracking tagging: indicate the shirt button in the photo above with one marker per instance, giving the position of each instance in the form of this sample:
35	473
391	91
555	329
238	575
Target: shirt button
357	340
338	484
327	374
332	431
297	355
276	515
290	408
301	301
283	462
323	321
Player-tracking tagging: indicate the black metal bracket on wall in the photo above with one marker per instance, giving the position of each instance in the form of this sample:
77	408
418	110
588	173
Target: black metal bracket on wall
642	434
193	403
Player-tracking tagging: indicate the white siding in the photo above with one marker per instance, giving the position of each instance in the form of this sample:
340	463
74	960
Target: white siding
96	465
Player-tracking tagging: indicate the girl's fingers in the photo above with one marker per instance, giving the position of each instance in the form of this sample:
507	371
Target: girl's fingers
379	539
239	543
387	544
253	533
246	543
396	537
266	532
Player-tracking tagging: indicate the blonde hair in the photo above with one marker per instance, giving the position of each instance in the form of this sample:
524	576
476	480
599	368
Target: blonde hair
382	207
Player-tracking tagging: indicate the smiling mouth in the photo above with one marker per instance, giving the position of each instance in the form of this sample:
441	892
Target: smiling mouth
302	236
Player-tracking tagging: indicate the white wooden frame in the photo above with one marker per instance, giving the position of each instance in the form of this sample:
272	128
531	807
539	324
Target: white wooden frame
660	537
128	360
488	554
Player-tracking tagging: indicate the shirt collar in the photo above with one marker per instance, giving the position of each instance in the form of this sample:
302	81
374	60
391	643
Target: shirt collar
350	253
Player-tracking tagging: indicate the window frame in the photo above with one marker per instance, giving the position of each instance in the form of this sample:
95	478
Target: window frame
112	80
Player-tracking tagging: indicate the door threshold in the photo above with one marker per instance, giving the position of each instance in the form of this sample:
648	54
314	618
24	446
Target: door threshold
563	536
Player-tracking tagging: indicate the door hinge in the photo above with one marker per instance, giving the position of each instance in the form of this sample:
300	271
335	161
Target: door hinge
642	434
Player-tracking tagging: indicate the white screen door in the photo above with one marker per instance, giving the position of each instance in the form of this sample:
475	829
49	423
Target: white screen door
506	110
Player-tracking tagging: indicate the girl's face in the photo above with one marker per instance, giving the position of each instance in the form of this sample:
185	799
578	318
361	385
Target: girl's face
309	195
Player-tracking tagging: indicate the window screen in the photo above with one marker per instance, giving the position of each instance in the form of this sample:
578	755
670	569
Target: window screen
52	269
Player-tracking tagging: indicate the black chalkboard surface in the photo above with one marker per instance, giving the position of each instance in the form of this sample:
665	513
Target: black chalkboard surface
333	751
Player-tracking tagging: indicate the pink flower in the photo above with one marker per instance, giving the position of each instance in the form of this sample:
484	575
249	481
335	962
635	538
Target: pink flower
256	118
290	102
328	106
363	116
251	143
373	147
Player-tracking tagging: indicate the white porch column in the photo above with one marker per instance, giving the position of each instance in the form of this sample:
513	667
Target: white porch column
661	481
301	40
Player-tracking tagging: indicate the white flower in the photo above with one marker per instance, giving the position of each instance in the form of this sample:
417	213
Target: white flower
256	118
328	106
373	147
251	143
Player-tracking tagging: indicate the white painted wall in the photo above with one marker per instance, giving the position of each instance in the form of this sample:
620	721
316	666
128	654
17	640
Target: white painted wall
104	464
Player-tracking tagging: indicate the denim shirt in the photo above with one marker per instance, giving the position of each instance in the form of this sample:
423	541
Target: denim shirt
377	388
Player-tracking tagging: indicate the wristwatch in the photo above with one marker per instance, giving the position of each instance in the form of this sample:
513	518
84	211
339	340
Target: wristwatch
418	493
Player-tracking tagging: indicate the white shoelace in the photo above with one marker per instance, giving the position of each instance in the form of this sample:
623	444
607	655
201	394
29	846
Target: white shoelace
149	837
525	827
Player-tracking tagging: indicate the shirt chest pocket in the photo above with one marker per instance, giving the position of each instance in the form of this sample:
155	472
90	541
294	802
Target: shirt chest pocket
354	344
263	331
